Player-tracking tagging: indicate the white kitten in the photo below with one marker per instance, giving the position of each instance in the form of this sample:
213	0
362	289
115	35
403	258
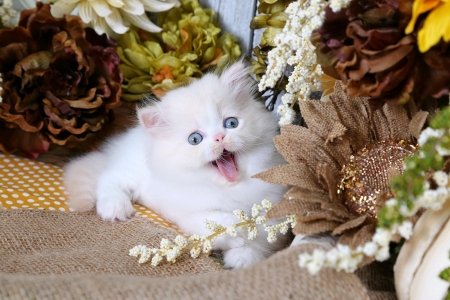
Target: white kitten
190	159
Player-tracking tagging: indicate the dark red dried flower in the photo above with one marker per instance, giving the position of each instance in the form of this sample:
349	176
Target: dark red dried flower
60	82
365	46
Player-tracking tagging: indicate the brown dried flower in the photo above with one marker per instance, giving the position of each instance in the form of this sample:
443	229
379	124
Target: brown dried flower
365	45
59	82
345	142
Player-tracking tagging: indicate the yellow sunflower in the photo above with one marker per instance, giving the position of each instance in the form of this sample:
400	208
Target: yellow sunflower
339	167
436	24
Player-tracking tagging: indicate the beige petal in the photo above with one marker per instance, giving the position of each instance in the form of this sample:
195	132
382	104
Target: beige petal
354	115
116	3
299	144
326	215
350	225
417	122
314	227
291	174
290	207
307	195
338	209
134	7
114	20
329	181
85	11
357	236
337	132
101	7
319	116
142	22
157	6
398	121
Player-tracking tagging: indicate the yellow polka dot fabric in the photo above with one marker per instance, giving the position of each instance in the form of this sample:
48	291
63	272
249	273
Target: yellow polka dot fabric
28	184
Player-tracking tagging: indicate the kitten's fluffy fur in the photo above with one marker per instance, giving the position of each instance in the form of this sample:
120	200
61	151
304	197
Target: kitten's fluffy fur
153	163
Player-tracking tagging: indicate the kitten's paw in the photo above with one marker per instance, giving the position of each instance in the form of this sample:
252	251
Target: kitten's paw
115	209
241	257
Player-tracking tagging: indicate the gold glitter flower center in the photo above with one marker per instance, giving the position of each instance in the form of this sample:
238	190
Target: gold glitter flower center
365	176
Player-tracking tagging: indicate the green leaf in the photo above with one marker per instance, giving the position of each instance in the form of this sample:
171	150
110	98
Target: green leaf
137	59
277	20
259	22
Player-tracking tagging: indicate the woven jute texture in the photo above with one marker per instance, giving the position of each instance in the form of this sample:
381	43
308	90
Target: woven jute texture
49	255
43	242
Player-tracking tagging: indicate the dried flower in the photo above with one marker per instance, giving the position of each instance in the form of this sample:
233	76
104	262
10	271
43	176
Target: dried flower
110	16
339	165
59	82
365	45
188	45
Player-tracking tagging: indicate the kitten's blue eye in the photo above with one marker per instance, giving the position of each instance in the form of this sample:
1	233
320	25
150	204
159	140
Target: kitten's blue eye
195	138
230	123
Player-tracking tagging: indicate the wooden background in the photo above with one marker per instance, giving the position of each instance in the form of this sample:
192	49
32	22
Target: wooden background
234	16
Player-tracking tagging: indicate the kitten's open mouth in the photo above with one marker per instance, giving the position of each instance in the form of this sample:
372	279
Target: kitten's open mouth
226	164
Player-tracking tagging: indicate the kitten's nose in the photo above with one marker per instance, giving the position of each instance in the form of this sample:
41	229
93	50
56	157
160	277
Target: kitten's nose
219	137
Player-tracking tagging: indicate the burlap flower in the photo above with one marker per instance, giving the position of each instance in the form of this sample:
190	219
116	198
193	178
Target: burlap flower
365	45
59	82
339	166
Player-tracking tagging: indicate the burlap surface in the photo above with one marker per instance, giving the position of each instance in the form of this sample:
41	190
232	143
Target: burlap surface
46	255
43	242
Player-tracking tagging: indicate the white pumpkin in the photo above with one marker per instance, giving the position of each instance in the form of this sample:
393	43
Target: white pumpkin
423	257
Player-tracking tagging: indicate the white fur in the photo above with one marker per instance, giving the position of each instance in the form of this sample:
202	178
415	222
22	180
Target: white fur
154	165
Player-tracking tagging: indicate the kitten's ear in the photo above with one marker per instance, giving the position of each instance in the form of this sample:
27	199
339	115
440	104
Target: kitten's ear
152	119
237	78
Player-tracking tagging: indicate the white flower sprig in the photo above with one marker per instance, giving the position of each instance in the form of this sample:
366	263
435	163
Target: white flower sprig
196	244
344	258
294	48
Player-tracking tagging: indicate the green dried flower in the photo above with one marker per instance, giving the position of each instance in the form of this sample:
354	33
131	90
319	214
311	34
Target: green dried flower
188	45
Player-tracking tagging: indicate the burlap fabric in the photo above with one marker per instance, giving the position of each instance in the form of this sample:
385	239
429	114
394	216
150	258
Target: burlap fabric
44	242
49	255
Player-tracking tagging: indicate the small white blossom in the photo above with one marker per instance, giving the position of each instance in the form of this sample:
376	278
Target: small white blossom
382	253
207	246
405	229
252	232
260	220
195	252
429	133
165	243
272	234
231	230
266	204
391	202
382	237
240	214
441	178
370	248
156	260
256	210
181	241
212	226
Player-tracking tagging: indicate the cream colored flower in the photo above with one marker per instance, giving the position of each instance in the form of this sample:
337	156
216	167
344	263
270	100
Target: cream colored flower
114	16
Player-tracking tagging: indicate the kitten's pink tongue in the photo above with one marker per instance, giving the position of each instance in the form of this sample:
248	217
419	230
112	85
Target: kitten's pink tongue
227	167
